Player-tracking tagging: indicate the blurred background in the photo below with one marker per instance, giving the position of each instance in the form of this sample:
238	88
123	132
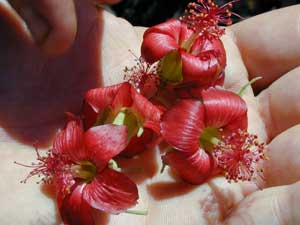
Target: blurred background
151	12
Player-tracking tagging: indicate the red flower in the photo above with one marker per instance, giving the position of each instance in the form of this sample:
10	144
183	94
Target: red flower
220	112
139	112
192	125
122	104
79	167
185	55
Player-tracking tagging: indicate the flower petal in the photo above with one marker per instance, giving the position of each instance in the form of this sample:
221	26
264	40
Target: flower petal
202	45
100	98
182	125
202	69
151	113
104	142
163	38
75	210
194	90
111	192
89	116
194	167
70	141
224	109
122	97
138	144
204	62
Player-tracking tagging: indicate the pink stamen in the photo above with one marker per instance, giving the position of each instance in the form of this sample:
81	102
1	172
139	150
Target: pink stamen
238	155
47	166
205	16
143	76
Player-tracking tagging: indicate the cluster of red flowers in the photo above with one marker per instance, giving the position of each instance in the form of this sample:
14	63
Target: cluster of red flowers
173	94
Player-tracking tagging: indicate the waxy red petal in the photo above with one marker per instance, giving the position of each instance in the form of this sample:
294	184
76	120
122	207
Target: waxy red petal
194	167
100	98
151	113
89	116
157	45
163	38
70	141
122	97
202	45
182	125
194	90
224	109
111	192
202	69
205	61
75	210
104	142
138	144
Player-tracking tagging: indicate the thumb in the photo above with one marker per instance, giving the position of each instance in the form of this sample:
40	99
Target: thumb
277	205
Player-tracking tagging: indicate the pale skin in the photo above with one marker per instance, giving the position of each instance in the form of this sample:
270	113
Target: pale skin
33	103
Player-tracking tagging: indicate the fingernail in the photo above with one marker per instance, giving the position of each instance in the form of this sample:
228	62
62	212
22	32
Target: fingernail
37	25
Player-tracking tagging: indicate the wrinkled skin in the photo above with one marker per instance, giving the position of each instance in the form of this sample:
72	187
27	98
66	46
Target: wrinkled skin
36	90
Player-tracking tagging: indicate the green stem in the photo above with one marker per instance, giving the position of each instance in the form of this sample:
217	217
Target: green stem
114	165
137	212
243	89
163	167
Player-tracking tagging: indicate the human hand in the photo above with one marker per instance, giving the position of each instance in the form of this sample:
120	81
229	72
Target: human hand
168	200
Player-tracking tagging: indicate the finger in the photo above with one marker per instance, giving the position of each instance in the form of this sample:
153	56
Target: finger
236	74
278	205
52	23
269	43
119	37
279	104
284	152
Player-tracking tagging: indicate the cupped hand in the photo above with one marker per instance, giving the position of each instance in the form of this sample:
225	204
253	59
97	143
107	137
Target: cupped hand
36	90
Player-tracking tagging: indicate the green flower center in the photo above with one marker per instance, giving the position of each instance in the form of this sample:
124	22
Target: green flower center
130	119
84	170
209	138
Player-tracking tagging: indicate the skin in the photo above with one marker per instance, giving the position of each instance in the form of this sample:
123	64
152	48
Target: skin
254	47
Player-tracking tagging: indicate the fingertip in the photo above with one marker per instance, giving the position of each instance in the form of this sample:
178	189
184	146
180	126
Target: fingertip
61	17
283	165
277	205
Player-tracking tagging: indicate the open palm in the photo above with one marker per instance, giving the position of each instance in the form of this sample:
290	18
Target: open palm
36	90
